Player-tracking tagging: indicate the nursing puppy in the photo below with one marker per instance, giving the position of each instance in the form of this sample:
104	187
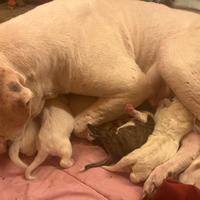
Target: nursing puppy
189	150
25	143
120	137
173	121
86	50
53	139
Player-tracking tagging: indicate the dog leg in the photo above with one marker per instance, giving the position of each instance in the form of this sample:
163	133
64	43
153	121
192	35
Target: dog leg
112	100
178	163
65	154
178	63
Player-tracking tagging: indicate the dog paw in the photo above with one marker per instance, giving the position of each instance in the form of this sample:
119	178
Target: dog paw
80	128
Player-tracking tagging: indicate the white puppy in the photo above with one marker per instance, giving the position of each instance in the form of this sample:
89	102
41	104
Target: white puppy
189	150
53	138
173	121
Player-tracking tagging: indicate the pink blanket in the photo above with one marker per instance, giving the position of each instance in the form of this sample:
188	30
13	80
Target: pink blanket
55	183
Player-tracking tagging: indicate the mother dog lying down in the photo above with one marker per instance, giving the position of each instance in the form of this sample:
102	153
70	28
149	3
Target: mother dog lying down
117	50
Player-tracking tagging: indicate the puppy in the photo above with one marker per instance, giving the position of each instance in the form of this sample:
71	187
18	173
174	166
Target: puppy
120	137
53	139
25	143
173	121
189	150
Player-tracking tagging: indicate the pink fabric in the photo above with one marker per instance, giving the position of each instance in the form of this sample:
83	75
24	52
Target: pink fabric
71	184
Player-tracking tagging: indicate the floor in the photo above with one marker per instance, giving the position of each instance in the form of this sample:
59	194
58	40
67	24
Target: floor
7	13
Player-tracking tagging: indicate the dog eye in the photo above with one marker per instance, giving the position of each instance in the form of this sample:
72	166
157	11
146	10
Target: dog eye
14	86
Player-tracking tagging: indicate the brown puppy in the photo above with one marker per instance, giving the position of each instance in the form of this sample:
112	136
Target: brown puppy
173	121
120	137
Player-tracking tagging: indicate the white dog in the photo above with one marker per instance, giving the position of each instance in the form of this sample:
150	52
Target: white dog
173	121
53	138
121	51
80	47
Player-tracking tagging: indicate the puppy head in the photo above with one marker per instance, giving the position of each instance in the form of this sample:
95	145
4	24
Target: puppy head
14	103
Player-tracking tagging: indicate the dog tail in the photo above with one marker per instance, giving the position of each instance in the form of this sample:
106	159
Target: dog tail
121	166
40	158
14	154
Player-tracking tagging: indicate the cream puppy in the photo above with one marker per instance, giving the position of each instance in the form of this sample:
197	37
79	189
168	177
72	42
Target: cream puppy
25	143
54	135
173	121
189	150
101	48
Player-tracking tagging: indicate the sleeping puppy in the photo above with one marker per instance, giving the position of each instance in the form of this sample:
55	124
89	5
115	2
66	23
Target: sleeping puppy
120	137
189	150
25	143
112	61
173	121
54	136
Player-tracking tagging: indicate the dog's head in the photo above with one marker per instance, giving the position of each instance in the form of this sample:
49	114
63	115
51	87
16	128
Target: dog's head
14	103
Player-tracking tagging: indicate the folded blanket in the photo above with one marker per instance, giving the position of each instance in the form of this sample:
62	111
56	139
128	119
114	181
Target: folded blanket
54	183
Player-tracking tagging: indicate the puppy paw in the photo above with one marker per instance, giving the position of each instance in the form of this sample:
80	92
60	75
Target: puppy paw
66	163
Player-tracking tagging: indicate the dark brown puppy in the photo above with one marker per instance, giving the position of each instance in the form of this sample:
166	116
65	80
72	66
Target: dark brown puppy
118	142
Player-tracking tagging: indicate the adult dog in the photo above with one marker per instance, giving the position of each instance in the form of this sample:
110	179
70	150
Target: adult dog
117	50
